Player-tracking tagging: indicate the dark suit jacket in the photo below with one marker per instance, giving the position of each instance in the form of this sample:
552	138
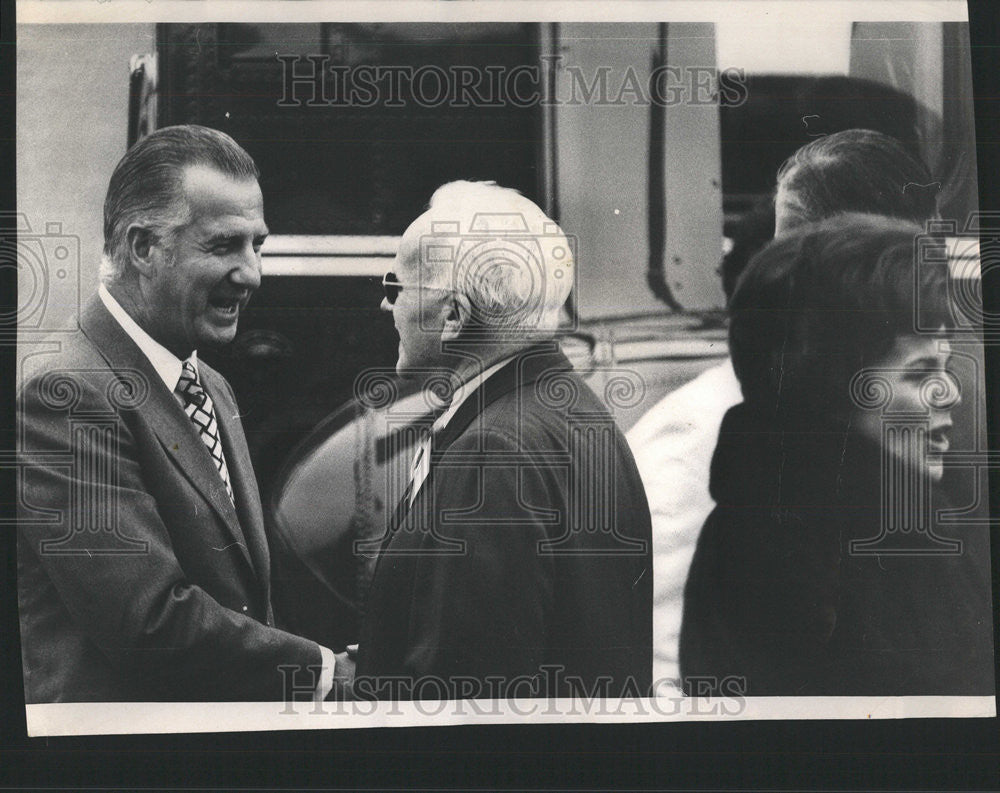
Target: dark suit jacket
137	578
524	566
777	603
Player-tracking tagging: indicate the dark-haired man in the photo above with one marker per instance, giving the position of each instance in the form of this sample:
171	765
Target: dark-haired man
143	567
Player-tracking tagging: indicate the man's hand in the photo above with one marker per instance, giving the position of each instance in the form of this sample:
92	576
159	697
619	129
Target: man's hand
343	674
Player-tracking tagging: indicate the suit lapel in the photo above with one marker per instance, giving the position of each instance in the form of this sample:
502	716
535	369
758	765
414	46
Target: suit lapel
165	416
398	515
522	370
241	475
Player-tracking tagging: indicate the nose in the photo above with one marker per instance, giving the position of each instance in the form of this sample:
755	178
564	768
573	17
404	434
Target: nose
956	399
384	305
247	273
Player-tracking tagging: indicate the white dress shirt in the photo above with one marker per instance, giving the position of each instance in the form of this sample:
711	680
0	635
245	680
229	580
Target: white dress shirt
169	367
673	445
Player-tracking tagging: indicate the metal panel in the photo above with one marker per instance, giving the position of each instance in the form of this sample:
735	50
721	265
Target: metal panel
693	174
603	135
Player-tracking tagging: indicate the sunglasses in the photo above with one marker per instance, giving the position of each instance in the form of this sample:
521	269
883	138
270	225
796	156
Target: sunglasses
393	286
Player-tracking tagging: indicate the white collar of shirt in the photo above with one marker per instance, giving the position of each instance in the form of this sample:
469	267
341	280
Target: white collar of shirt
167	365
464	391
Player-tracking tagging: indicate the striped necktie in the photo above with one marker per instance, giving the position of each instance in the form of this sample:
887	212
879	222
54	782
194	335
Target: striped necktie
199	408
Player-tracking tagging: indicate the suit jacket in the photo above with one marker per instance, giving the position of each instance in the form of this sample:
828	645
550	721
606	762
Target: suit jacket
778	604
523	567
137	577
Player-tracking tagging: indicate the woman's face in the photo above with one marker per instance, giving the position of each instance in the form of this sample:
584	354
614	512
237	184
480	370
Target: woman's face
919	386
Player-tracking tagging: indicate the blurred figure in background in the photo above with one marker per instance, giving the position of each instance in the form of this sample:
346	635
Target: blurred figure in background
858	170
855	170
795	586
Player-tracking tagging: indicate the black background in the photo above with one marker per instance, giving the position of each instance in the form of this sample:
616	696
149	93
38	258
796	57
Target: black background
924	754
331	169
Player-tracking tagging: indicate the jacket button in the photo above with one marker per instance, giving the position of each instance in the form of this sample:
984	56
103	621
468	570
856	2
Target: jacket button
245	609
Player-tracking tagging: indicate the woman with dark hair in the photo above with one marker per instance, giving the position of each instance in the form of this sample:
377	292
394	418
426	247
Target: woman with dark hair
856	170
805	579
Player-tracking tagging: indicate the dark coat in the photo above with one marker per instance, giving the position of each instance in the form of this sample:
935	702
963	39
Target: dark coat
777	599
137	578
524	566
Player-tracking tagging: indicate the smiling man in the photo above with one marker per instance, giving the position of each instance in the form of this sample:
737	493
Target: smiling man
143	567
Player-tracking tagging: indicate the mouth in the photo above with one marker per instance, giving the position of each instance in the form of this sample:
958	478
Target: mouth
227	306
937	441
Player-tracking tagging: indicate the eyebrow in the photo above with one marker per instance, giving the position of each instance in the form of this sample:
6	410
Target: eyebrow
928	362
229	237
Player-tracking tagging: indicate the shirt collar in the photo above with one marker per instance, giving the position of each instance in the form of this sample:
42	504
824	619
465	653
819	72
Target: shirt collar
167	365
464	391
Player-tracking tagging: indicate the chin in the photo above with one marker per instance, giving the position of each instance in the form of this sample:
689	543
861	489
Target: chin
923	466
404	369
217	339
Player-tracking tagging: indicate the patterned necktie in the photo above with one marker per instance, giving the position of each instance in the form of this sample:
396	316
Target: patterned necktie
199	408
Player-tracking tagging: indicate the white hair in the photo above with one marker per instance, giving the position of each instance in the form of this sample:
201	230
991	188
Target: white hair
499	249
111	269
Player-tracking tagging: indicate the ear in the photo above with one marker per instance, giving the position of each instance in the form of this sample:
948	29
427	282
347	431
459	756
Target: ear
458	316
144	251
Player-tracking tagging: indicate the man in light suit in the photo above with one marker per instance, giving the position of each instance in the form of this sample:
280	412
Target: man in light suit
518	562
143	568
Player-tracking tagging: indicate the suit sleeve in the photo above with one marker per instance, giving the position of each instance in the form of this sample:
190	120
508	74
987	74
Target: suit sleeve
485	592
131	599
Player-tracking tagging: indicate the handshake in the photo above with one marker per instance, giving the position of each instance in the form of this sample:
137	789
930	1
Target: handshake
344	667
